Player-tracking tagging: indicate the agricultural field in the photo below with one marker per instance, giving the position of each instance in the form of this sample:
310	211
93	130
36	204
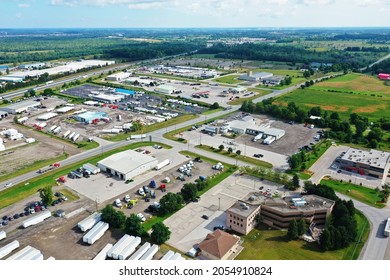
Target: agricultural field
356	83
372	106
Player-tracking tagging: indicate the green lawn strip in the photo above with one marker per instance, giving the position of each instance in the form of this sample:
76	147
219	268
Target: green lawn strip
171	134
363	194
86	145
70	195
229	79
234	156
23	190
272	244
239	101
209	112
153	127
32	166
314	156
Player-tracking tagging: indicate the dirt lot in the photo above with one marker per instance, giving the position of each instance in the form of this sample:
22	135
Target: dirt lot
60	238
44	148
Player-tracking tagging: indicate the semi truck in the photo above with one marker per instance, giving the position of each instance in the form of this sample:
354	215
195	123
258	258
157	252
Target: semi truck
91	168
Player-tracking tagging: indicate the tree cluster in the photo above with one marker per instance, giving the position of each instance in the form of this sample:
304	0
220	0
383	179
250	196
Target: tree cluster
341	229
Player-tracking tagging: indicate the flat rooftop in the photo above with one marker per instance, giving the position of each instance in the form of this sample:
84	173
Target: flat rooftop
23	104
127	161
373	158
309	203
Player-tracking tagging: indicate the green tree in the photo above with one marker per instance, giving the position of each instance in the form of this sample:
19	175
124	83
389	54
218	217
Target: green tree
48	92
116	219
373	143
238	152
326	240
221	147
292	232
214	106
301	227
46	195
295	181
160	233
170	203
361	126
230	150
133	226
189	191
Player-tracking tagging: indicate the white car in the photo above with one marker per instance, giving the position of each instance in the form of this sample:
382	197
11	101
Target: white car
141	216
8	185
141	192
64	198
118	202
127	198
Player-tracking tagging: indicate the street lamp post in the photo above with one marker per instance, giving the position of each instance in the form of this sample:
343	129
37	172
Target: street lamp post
219	203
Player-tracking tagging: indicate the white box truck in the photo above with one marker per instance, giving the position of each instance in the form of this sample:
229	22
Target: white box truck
163	164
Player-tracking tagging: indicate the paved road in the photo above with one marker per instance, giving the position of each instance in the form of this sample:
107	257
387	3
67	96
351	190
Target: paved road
376	245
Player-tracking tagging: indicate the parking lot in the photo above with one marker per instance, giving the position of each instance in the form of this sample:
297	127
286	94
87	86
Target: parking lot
187	226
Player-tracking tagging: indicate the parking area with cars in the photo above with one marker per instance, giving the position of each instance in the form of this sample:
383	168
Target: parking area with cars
191	224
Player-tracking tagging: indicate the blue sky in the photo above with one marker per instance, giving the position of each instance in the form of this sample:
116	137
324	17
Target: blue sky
193	13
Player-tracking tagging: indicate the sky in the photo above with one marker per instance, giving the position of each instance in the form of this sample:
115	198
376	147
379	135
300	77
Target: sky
193	13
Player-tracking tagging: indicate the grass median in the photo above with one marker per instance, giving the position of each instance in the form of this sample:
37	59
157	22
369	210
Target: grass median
246	159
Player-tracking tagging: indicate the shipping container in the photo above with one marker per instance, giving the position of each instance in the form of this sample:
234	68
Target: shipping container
5	250
150	253
36	219
129	249
103	253
121	241
140	252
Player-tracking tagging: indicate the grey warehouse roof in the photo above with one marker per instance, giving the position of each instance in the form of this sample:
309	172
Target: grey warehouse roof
374	158
23	104
127	161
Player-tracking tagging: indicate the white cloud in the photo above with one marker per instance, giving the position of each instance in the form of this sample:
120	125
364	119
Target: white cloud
23	5
316	2
141	4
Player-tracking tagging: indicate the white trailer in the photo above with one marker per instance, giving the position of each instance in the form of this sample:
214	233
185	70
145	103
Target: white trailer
8	248
57	130
140	252
75	137
71	135
32	254
150	253
66	134
257	137
138	136
103	253
269	140
37	219
50	259
119	249
118	244
95	233
90	221
163	164
91	168
22	120
129	249
175	257
168	255
2	235
43	125
37	257
387	228
21	253
52	128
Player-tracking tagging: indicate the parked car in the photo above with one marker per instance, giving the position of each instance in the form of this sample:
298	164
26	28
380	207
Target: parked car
221	227
126	198
141	192
118	202
258	155
16	216
205	217
141	216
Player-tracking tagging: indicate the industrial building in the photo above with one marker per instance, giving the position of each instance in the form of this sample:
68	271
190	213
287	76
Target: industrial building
242	217
372	163
32	66
107	98
11	79
127	165
164	89
89	117
21	107
255	77
117	77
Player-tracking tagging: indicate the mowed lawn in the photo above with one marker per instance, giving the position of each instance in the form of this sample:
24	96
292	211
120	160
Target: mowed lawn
229	79
271	244
344	103
357	83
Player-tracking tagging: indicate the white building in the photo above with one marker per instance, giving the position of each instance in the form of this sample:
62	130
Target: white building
255	77
12	134
164	89
128	164
117	77
20	107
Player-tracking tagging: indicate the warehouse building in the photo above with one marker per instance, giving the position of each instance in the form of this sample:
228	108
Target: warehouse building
255	77
117	77
89	117
127	165
164	89
12	79
21	107
372	163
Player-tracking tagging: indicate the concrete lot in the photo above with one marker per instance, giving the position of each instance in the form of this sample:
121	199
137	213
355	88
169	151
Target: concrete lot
187	225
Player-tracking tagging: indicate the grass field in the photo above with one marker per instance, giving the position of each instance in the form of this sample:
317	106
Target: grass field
356	83
265	244
229	79
366	195
373	107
